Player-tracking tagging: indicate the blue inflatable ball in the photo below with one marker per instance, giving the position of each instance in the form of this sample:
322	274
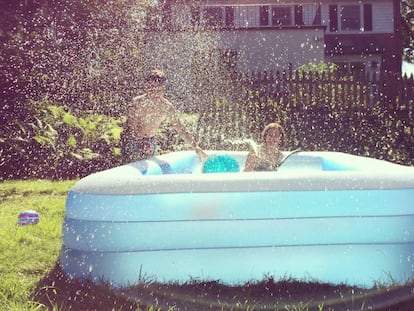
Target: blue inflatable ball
221	163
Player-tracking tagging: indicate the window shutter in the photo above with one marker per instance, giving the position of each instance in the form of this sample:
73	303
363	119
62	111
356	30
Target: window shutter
333	18
318	17
367	17
298	15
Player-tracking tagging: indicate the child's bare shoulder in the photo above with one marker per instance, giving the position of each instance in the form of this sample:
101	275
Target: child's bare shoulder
136	102
138	98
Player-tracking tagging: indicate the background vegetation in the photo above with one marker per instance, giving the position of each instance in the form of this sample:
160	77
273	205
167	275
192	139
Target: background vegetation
407	27
69	67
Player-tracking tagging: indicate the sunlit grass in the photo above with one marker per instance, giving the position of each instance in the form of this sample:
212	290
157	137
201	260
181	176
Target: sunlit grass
30	277
28	252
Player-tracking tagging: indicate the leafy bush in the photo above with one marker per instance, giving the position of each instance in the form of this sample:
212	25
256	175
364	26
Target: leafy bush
53	142
49	141
319	68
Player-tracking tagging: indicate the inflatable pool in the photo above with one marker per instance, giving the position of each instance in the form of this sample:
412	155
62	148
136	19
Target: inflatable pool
324	216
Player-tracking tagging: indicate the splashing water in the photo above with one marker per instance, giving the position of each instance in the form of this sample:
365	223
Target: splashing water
244	141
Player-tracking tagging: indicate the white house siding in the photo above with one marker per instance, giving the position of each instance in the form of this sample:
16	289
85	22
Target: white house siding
274	49
248	16
259	45
257	50
267	48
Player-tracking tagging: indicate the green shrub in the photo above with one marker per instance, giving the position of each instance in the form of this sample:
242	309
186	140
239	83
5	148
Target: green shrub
54	142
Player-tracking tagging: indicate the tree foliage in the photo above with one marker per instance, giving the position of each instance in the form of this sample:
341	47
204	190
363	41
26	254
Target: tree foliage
83	55
407	13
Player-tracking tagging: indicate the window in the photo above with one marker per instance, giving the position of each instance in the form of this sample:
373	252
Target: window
298	15
308	14
281	16
247	16
213	16
350	17
357	17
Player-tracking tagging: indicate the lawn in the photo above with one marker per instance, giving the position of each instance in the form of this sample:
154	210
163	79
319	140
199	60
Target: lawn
31	278
28	252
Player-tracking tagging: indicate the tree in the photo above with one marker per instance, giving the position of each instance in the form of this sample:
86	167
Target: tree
81	54
84	54
407	14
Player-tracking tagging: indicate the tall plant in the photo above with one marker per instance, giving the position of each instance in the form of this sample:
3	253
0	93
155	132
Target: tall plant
57	143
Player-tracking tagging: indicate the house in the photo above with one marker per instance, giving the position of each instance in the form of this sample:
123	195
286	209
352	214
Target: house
269	35
264	35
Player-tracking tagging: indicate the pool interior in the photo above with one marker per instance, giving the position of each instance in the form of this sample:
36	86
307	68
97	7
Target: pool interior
297	162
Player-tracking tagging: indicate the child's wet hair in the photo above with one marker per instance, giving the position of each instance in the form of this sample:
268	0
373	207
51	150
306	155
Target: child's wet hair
156	76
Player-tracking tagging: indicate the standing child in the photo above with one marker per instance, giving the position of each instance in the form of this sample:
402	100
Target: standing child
144	116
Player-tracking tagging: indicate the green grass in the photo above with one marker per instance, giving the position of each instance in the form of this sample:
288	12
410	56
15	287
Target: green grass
28	252
31	278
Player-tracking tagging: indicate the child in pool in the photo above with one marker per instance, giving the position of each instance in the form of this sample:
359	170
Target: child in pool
267	156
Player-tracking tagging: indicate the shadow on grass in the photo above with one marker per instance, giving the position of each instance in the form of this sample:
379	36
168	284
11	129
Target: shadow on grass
56	291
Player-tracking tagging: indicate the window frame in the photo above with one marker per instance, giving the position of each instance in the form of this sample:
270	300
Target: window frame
336	17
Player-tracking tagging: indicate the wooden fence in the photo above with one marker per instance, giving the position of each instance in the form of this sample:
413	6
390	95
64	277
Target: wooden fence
373	117
357	90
